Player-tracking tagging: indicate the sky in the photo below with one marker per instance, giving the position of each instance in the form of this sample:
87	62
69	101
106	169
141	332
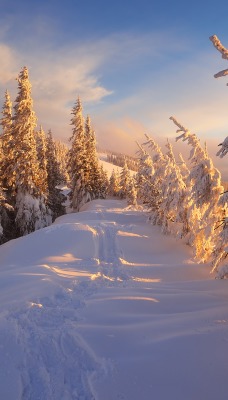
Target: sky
134	63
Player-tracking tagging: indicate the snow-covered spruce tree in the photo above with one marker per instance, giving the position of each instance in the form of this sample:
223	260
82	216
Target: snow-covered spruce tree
54	178
204	208
7	179
93	169
103	183
61	151
221	248
78	162
30	203
132	192
114	184
7	172
41	148
124	181
160	163
144	176
175	197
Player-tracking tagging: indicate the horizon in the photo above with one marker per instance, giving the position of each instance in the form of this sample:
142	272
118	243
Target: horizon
133	65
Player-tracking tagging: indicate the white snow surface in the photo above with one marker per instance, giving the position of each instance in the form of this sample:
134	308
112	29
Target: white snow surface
101	305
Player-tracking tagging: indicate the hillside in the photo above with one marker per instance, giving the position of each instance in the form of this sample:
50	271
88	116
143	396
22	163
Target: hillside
101	306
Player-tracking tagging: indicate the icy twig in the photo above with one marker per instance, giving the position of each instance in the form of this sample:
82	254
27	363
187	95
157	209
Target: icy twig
218	45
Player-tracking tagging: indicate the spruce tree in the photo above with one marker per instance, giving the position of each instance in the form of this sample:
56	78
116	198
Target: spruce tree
61	152
103	183
204	208
221	249
7	159
54	178
78	163
132	192
30	206
124	181
174	198
42	158
92	169
160	164
114	184
144	176
7	178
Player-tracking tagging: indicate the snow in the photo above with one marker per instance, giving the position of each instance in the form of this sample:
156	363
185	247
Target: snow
101	305
108	167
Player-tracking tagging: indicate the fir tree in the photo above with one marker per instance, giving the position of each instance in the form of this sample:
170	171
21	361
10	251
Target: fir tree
31	210
174	203
42	158
114	184
132	192
124	181
61	151
7	159
221	248
144	176
93	170
7	179
160	163
78	163
205	181
103	183
54	178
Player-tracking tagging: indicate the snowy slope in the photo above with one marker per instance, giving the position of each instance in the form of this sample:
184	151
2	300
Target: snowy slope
101	306
108	167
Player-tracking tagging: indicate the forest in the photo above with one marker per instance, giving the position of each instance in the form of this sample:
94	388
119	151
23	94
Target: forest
187	201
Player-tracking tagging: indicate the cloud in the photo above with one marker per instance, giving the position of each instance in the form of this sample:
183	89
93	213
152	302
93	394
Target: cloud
129	83
60	73
7	68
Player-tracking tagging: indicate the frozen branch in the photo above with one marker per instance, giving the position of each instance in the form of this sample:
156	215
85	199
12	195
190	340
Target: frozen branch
224	149
221	73
153	145
218	45
185	131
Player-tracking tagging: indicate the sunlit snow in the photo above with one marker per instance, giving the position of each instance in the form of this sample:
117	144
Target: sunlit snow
101	305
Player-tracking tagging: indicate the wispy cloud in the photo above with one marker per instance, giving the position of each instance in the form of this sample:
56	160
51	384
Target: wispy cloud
164	78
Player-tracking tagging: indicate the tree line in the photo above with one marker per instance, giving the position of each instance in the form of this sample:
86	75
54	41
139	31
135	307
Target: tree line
33	165
187	201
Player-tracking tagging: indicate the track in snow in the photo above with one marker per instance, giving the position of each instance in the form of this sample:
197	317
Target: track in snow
57	364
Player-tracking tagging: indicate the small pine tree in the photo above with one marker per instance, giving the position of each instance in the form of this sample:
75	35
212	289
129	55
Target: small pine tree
61	151
132	193
124	181
78	163
42	158
114	184
54	178
103	183
160	164
144	176
93	169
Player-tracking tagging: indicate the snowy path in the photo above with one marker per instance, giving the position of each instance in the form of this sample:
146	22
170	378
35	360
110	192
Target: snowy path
101	306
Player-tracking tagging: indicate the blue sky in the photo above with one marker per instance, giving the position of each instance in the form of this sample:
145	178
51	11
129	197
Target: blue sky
134	64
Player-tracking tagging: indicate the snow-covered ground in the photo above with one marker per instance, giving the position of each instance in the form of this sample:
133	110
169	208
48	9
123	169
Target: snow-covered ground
101	306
